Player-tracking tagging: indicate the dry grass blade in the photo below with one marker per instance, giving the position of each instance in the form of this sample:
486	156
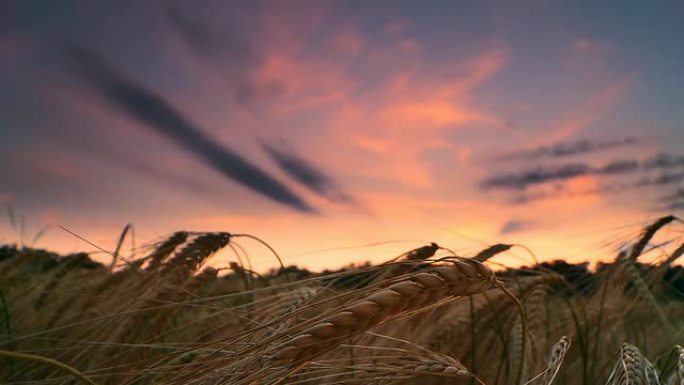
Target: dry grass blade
122	237
47	361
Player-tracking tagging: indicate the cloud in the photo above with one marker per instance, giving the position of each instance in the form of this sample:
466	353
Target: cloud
536	176
435	113
223	51
151	109
678	196
664	161
514	226
618	167
589	111
541	175
566	149
678	205
306	173
230	55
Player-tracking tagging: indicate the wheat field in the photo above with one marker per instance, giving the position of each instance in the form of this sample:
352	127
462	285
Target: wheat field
427	316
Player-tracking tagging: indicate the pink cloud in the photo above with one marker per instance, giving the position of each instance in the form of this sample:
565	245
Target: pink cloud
349	42
432	113
478	70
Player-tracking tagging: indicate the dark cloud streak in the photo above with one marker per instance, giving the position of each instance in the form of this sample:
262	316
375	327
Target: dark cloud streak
230	55
157	113
306	173
541	175
664	180
566	149
514	226
536	176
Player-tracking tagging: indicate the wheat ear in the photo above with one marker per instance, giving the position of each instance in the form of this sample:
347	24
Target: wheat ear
630	368
459	278
647	234
558	352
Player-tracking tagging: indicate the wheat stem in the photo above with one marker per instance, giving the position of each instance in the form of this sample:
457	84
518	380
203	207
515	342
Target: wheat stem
48	361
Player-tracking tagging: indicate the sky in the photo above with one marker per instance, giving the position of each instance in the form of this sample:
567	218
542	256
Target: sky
341	131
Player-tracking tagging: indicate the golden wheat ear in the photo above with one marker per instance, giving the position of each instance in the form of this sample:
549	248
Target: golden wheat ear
633	368
165	249
675	375
459	278
558	352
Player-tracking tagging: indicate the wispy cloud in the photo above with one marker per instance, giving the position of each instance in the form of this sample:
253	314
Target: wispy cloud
540	175
569	148
153	110
676	205
589	111
665	178
306	173
232	56
514	226
664	161
535	176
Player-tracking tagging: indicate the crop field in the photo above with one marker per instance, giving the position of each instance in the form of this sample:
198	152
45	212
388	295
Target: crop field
428	316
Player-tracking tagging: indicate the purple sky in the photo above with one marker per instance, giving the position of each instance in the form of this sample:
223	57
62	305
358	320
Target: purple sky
321	125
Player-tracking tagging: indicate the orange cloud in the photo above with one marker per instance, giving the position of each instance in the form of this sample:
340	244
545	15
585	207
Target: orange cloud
478	70
432	113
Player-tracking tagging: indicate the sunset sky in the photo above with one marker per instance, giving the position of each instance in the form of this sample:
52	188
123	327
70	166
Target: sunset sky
325	125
